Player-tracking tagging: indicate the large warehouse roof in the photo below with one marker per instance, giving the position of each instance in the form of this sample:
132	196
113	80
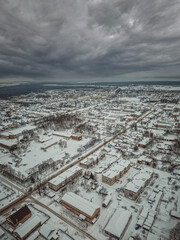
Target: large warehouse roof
80	203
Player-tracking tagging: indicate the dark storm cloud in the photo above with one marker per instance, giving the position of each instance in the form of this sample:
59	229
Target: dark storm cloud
49	38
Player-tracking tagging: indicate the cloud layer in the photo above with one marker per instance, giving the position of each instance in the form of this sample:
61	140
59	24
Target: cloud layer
87	38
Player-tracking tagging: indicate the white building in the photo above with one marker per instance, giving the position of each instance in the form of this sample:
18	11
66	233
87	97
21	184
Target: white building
118	223
27	228
85	209
64	178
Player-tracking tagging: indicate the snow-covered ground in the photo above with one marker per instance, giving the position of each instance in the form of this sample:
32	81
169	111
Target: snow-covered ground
7	194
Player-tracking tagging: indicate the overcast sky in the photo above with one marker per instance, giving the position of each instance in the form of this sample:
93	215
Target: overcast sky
87	40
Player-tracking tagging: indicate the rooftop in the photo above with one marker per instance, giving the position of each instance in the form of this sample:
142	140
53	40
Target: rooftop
80	203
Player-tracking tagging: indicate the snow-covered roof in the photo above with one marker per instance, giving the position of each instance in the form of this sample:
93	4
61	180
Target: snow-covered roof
144	212
67	174
139	180
134	187
107	200
163	124
48	144
26	227
87	161
145	141
80	203
8	142
62	135
44	139
57	180
111	173
145	159
118	222
74	169
33	236
143	176
18	131
116	169
1	232
46	230
123	163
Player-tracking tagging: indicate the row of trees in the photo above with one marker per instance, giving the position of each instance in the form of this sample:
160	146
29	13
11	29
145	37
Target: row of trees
59	121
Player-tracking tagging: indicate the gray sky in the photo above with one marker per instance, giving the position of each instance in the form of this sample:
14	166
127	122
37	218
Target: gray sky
89	40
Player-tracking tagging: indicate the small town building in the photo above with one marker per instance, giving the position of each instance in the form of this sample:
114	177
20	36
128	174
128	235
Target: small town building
83	208
145	142
20	216
133	189
176	213
106	149
88	162
118	223
64	178
48	144
45	139
56	183
113	174
48	232
145	160
59	134
17	132
163	125
33	236
10	144
107	201
23	231
76	137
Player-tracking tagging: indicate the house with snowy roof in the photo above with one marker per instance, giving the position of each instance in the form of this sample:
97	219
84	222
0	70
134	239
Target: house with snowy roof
85	209
14	133
48	232
10	144
28	227
113	174
145	160
118	223
64	178
19	216
133	189
145	142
